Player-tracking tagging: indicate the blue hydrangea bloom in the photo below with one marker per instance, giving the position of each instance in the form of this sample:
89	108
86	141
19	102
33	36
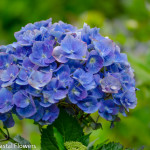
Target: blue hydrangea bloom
55	63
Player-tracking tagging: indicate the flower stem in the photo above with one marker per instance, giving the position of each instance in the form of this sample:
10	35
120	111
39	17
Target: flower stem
8	138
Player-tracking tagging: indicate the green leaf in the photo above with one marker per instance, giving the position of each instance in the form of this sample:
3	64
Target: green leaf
84	139
59	139
111	146
68	127
48	140
100	145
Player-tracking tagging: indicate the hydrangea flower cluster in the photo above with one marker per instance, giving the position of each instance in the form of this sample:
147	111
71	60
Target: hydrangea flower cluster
57	62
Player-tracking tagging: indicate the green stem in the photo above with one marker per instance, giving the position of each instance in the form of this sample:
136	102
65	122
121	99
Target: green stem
8	138
3	133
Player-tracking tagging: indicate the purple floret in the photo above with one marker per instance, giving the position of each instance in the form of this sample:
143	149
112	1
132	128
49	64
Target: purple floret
5	60
39	79
55	91
110	84
41	53
74	48
108	109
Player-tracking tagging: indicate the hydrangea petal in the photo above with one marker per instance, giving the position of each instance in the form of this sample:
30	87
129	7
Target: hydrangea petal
21	99
6	102
110	84
59	55
89	104
94	63
39	79
26	112
73	48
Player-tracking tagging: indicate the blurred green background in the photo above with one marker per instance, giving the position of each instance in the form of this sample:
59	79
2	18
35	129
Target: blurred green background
127	22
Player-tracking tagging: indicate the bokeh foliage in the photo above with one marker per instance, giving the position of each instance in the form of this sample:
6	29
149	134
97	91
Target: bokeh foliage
127	22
